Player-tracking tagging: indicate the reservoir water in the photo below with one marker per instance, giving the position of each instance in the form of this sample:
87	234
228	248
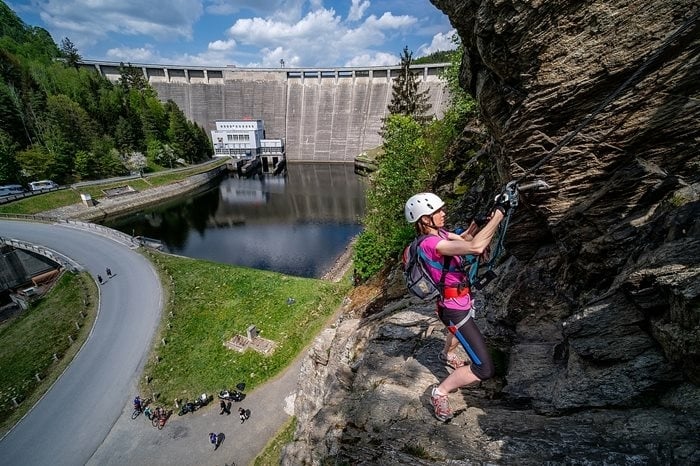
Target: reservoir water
297	224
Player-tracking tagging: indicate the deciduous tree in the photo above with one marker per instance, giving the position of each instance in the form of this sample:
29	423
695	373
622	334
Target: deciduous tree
9	168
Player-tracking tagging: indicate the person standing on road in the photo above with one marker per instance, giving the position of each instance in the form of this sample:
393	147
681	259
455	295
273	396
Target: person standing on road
109	272
243	415
99	278
213	440
224	407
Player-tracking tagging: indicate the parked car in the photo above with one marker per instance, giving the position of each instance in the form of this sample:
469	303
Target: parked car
43	184
11	189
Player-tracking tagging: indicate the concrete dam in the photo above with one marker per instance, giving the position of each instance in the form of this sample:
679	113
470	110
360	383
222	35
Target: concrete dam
323	114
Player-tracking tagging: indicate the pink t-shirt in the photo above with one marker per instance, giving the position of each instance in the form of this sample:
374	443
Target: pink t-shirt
452	278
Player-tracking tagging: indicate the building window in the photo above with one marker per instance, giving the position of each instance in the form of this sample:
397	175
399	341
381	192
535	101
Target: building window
230	137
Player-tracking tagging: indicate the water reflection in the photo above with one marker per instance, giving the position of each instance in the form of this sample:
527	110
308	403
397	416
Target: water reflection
298	224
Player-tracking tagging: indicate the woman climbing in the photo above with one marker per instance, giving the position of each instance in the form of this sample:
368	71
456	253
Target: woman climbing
454	306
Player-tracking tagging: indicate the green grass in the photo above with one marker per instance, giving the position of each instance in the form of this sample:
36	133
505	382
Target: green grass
273	450
41	203
210	303
29	341
417	451
53	200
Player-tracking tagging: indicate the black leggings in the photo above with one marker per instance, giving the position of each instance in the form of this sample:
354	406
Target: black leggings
471	339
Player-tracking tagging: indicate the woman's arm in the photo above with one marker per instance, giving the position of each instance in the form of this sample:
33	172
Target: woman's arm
469	233
477	244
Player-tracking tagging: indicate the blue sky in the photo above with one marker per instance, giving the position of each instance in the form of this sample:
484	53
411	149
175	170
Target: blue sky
259	33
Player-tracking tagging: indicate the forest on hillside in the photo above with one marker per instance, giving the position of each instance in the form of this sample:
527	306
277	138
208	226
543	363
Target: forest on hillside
65	123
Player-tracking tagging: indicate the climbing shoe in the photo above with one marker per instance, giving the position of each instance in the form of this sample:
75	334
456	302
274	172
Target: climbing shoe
441	405
450	360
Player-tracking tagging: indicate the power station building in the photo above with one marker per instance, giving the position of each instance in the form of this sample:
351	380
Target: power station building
244	138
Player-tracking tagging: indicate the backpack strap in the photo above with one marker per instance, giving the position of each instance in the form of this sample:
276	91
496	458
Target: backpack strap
445	266
445	269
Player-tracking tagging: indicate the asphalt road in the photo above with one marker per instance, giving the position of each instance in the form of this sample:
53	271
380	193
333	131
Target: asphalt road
75	416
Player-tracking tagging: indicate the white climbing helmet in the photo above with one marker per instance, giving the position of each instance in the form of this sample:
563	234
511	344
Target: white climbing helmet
421	204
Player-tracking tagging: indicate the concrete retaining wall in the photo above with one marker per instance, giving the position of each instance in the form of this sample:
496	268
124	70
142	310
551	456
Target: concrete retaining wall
323	114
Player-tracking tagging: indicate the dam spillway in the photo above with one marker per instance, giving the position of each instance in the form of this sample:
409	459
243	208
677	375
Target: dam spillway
324	114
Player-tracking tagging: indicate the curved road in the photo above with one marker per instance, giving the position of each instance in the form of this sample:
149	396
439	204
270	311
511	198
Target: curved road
71	421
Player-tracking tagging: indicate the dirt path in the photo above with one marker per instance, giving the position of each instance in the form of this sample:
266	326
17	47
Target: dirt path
341	265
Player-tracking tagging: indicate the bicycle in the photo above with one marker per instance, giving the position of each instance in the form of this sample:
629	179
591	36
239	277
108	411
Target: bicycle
137	411
156	417
159	417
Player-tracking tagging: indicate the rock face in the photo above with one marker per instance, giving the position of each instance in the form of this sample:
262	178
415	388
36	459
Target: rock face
595	317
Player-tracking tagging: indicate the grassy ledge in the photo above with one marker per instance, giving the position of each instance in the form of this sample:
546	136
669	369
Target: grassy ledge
208	303
29	341
273	450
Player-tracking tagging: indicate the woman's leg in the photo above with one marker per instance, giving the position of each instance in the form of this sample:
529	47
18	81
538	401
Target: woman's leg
461	377
473	341
450	344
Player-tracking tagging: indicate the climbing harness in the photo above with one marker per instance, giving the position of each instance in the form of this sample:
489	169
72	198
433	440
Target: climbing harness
453	328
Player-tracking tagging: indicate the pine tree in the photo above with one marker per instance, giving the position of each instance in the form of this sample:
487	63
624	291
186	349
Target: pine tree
131	77
405	97
70	53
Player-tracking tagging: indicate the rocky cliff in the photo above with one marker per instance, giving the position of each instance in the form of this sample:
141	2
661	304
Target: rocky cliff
595	318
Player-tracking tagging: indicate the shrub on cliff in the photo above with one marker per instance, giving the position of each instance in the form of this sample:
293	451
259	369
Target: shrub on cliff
411	154
405	167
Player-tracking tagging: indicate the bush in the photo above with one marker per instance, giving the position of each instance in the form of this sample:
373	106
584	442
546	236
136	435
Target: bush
411	153
404	168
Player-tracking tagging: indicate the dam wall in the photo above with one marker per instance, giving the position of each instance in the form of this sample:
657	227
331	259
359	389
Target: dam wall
324	114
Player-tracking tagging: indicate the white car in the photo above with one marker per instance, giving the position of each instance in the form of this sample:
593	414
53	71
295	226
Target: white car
43	184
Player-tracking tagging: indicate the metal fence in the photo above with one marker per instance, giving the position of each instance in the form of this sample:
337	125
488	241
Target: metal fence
63	261
115	235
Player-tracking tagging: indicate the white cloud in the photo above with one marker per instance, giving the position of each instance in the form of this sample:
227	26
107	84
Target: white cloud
314	26
389	21
357	9
162	19
133	55
374	59
320	38
208	58
220	45
149	54
289	11
271	58
441	42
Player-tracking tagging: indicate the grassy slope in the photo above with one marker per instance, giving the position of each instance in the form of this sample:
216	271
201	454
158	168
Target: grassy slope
273	451
210	303
29	341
